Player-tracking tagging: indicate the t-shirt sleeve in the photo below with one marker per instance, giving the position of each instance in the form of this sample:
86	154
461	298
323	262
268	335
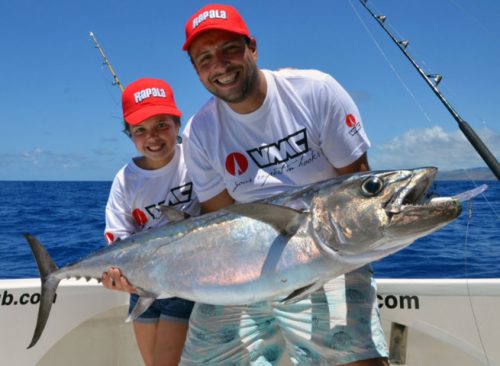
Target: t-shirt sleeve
343	138
206	180
119	221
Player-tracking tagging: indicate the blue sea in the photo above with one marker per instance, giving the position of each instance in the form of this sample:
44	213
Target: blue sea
68	218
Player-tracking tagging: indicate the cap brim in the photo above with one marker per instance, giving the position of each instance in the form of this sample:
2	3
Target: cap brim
147	112
230	29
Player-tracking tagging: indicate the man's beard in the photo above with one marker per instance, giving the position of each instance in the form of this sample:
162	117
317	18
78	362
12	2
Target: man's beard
248	87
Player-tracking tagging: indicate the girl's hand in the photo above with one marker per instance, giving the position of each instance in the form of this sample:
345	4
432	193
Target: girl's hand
113	280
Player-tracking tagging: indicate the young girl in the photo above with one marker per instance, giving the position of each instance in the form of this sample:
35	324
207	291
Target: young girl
157	177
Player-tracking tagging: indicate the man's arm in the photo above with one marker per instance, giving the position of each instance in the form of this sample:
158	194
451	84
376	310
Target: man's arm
223	199
360	165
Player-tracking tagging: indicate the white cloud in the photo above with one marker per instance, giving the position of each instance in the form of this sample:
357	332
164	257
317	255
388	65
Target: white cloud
33	156
104	152
41	164
41	158
432	147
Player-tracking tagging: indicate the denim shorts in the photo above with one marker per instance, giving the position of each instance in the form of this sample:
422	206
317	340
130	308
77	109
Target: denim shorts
172	309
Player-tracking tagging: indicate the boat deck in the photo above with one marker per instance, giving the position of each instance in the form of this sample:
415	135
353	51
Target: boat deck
427	322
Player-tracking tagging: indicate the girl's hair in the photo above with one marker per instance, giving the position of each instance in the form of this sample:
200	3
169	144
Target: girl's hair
126	126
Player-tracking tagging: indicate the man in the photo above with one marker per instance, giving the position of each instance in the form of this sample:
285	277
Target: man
261	134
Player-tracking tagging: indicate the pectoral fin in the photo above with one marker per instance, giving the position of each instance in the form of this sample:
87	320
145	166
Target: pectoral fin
283	219
140	307
300	293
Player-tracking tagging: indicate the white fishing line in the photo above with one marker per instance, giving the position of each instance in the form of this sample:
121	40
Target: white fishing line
490	205
466	196
476	324
393	68
469	15
108	83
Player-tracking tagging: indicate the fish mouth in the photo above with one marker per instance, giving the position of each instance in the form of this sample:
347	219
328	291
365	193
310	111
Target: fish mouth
413	212
412	192
414	195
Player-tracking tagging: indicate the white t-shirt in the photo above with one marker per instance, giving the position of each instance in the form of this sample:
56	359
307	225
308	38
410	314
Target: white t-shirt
136	192
307	125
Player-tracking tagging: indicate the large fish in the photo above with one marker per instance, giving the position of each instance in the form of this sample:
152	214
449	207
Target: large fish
279	248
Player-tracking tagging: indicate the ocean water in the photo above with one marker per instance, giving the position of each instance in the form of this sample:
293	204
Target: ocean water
68	218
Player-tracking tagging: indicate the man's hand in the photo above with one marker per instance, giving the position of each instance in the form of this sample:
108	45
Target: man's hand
222	200
360	165
113	280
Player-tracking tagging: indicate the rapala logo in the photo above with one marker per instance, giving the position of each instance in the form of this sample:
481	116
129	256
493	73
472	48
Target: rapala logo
209	14
148	93
354	125
281	151
236	164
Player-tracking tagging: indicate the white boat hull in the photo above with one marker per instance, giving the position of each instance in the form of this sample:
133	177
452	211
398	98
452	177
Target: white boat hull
448	322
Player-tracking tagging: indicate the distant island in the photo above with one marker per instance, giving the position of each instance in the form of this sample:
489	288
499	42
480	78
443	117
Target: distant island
466	174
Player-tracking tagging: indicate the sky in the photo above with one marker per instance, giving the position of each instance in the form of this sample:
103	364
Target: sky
61	114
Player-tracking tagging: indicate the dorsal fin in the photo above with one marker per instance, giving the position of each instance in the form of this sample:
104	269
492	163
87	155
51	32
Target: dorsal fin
283	219
173	214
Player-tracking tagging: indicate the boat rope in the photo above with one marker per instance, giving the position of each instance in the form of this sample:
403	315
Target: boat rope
432	81
469	296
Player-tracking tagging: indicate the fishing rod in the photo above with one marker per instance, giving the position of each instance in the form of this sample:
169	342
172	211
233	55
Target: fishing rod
433	80
116	81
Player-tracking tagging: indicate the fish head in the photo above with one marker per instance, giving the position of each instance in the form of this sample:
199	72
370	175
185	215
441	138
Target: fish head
380	210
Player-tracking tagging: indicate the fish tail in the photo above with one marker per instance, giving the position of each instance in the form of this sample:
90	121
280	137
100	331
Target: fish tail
46	266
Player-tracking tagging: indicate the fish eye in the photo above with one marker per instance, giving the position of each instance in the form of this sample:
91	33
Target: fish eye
372	186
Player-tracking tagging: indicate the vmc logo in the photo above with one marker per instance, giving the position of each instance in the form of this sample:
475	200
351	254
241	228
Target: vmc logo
281	151
264	156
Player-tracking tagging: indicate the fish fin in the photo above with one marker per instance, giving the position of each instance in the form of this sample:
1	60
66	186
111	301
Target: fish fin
49	285
173	214
300	293
140	307
283	219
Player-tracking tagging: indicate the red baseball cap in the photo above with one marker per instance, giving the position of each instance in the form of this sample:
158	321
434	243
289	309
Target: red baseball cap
145	98
214	16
